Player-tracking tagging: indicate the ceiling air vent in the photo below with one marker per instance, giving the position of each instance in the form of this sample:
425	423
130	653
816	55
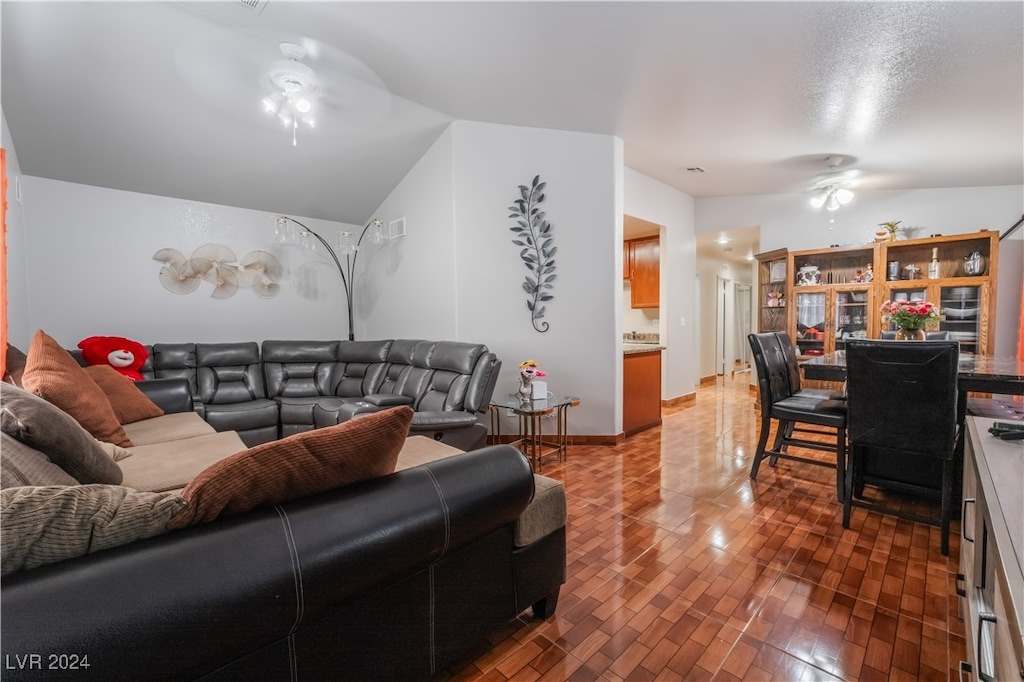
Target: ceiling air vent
695	169
255	5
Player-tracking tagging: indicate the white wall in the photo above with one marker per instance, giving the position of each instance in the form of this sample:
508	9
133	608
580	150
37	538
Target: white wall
658	203
711	268
414	279
16	275
460	276
640	320
788	220
89	254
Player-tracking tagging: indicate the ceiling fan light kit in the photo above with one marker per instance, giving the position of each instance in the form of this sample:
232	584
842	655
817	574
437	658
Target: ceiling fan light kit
295	90
832	195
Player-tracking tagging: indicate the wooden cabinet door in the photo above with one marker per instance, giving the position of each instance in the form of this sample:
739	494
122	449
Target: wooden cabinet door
641	391
646	280
627	259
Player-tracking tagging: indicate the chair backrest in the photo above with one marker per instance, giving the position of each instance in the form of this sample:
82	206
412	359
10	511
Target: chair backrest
941	335
360	367
298	368
773	379
229	372
792	364
902	395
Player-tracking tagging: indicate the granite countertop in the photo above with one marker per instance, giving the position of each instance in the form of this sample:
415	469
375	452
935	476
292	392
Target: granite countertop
640	342
629	348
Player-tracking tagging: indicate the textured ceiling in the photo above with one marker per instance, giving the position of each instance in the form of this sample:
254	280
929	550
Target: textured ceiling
163	98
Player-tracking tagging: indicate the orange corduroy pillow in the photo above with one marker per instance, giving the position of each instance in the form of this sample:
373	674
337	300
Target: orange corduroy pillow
130	404
51	373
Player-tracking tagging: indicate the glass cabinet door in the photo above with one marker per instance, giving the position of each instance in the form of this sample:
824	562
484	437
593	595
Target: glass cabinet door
961	308
810	323
852	312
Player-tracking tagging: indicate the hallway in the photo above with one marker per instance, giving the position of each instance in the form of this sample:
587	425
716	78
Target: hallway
681	567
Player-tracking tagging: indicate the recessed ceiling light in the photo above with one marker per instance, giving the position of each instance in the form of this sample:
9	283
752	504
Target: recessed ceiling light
722	240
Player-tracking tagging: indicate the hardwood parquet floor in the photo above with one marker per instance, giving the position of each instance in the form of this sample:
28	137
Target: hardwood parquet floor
680	567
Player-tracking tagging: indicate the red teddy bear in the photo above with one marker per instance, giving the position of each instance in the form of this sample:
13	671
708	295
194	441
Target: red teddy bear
124	355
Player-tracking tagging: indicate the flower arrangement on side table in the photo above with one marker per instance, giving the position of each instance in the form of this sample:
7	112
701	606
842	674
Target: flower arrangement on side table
528	371
909	316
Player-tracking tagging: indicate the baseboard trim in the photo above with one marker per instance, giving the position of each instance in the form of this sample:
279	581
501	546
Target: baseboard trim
571	440
597	440
681	400
704	381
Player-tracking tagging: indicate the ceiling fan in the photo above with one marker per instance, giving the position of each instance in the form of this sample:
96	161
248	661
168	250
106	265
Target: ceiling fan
833	190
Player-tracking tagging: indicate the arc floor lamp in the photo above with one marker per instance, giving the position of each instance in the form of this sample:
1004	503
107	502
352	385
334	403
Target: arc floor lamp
347	245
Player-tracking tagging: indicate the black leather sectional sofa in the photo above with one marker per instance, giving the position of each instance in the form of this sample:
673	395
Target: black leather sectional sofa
388	579
392	578
278	388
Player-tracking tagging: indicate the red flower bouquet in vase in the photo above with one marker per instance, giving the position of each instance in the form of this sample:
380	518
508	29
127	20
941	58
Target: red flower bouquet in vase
910	318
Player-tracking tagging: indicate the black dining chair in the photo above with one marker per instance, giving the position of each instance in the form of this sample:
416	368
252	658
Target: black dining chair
901	407
783	400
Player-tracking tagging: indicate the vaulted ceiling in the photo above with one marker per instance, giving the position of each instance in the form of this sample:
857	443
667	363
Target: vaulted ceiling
164	98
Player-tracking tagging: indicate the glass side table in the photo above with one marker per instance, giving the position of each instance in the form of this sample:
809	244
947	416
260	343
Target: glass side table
530	439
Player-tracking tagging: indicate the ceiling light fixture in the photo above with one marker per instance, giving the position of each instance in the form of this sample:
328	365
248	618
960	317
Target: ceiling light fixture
834	195
295	90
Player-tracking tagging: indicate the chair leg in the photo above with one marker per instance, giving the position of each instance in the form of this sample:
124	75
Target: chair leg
841	464
947	504
762	441
784	432
851	473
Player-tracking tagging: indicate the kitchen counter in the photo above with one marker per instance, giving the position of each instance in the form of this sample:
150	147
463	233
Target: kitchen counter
633	348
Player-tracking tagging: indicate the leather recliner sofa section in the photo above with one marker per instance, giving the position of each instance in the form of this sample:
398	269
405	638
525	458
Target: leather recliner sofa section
282	387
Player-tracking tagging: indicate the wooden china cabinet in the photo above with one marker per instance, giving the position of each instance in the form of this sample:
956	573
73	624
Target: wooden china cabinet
834	294
772	267
965	290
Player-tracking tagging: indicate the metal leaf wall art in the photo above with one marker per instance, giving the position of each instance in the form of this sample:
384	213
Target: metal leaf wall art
532	232
215	263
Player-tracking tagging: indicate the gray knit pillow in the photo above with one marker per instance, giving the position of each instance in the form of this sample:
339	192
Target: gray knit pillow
21	465
45	427
44	525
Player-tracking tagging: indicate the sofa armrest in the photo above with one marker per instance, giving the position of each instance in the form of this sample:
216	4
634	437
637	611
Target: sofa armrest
440	421
236	585
171	394
387	399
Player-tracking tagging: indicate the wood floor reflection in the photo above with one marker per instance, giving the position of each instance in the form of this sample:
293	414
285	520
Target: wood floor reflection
681	567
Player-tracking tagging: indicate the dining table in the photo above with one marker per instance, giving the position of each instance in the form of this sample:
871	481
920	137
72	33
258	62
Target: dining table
1000	375
991	374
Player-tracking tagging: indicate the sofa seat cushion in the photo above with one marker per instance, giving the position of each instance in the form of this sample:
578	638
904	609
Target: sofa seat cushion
43	525
300	465
129	403
44	427
299	410
254	414
173	426
51	373
420	450
171	465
